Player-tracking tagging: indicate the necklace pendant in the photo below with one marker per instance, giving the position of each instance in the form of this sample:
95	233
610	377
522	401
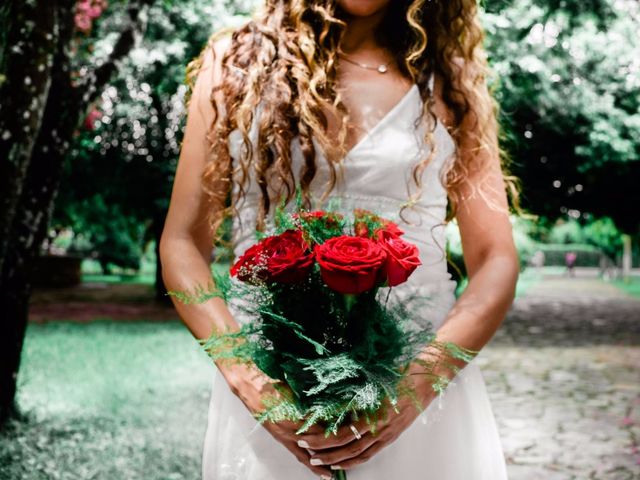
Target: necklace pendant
382	68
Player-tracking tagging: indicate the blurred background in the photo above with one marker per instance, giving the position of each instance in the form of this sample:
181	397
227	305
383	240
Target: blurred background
99	378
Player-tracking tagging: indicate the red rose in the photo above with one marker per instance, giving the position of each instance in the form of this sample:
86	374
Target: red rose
283	258
402	257
350	264
391	227
250	267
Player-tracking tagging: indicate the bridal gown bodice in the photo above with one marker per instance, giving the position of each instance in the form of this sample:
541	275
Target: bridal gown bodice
456	437
376	175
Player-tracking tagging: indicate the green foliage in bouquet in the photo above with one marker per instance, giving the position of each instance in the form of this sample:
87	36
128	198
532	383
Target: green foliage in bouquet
335	357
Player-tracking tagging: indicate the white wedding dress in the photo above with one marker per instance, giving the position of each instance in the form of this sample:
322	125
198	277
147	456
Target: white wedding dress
456	437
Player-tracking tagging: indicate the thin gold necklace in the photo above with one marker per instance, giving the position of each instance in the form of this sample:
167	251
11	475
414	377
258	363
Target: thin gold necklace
381	68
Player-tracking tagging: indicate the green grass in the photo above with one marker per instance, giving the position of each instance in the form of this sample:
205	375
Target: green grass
631	286
109	400
146	276
146	279
92	272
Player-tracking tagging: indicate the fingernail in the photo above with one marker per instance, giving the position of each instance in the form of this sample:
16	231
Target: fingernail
311	452
336	467
315	461
303	444
325	477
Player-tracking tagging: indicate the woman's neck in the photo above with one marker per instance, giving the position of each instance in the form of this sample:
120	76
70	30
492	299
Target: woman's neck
359	35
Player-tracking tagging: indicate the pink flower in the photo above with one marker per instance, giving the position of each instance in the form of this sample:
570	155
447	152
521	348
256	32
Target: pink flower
93	115
94	11
86	12
83	23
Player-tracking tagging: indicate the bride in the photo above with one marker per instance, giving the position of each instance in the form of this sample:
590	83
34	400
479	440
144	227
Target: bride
384	105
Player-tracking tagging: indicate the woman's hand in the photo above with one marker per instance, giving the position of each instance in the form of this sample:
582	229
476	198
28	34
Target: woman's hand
344	451
285	433
251	386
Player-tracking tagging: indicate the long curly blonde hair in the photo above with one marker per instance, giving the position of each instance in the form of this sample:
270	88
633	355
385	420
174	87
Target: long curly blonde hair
288	55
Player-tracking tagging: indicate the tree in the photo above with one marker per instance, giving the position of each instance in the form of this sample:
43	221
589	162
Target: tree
28	32
569	88
134	140
37	155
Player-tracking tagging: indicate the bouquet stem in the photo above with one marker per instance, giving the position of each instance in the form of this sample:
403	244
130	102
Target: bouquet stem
349	301
339	475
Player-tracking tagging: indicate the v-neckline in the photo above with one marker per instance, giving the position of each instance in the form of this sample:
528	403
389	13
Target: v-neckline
380	123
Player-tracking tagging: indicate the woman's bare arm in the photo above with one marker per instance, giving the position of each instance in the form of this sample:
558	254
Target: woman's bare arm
492	265
489	252
187	242
185	252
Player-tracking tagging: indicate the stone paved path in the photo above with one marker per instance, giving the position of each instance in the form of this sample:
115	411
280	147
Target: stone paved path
563	374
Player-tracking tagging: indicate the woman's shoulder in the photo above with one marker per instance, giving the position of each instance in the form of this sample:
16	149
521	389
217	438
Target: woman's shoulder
217	45
464	73
221	40
203	74
209	61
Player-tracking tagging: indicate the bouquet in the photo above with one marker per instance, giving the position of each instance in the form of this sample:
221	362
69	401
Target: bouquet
318	321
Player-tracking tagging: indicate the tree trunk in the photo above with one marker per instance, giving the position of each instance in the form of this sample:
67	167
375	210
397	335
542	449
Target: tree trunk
33	210
63	113
29	32
626	257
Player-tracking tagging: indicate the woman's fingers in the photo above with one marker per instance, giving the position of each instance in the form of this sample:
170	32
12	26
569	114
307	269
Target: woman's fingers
363	457
355	451
292	427
346	452
344	436
304	457
284	432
